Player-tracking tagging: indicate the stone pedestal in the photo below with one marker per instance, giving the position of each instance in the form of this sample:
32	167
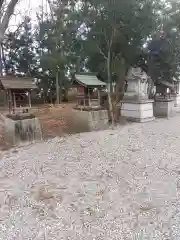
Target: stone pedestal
177	96
19	132
138	111
136	106
164	108
177	100
95	120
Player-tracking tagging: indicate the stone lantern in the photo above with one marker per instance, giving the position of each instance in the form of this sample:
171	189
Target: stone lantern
136	106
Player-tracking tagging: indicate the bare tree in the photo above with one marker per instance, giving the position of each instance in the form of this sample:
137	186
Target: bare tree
5	15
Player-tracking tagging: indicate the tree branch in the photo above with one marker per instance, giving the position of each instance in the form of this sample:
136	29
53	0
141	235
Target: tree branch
1	3
7	15
101	52
112	37
106	38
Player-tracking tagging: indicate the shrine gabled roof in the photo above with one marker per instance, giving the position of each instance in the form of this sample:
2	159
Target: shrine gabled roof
167	84
10	82
89	80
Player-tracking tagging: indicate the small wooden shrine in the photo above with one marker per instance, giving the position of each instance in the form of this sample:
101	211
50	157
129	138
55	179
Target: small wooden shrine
89	89
166	89
18	92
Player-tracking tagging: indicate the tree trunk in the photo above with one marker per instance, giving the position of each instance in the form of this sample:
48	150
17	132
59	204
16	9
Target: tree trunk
1	3
4	59
4	22
120	87
109	87
151	88
57	88
1	61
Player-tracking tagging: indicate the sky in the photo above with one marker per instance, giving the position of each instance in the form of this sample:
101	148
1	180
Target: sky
27	8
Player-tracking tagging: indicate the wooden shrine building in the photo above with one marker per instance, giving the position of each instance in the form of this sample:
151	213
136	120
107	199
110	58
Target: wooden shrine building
88	89
18	92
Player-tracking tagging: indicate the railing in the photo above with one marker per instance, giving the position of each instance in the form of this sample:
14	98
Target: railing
88	102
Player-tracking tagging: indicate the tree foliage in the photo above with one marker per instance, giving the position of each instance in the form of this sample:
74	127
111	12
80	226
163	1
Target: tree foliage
101	36
19	51
164	49
6	11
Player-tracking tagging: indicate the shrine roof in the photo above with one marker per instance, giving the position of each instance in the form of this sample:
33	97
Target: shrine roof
167	84
11	82
89	80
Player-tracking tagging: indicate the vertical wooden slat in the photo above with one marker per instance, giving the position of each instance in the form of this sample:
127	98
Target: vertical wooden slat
14	101
29	98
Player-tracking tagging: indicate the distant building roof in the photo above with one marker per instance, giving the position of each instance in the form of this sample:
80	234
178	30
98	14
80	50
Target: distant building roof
89	80
10	82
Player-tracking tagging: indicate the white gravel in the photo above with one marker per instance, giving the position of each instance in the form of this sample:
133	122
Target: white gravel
110	185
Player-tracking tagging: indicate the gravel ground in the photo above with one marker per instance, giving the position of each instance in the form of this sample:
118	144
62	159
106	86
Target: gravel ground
110	185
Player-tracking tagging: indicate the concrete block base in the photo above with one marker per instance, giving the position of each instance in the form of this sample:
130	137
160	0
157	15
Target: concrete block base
19	132
96	120
138	111
164	108
177	101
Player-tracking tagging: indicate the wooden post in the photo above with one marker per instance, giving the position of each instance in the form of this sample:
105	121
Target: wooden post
99	97
6	103
89	98
29	99
14	101
10	100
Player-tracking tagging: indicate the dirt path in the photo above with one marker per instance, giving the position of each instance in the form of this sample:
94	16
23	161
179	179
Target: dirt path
56	120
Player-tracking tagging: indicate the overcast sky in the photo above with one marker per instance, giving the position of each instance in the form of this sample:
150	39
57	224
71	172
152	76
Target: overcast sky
27	8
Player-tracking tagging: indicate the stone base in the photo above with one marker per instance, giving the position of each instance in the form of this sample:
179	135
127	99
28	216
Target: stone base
138	111
96	120
19	132
177	101
164	108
